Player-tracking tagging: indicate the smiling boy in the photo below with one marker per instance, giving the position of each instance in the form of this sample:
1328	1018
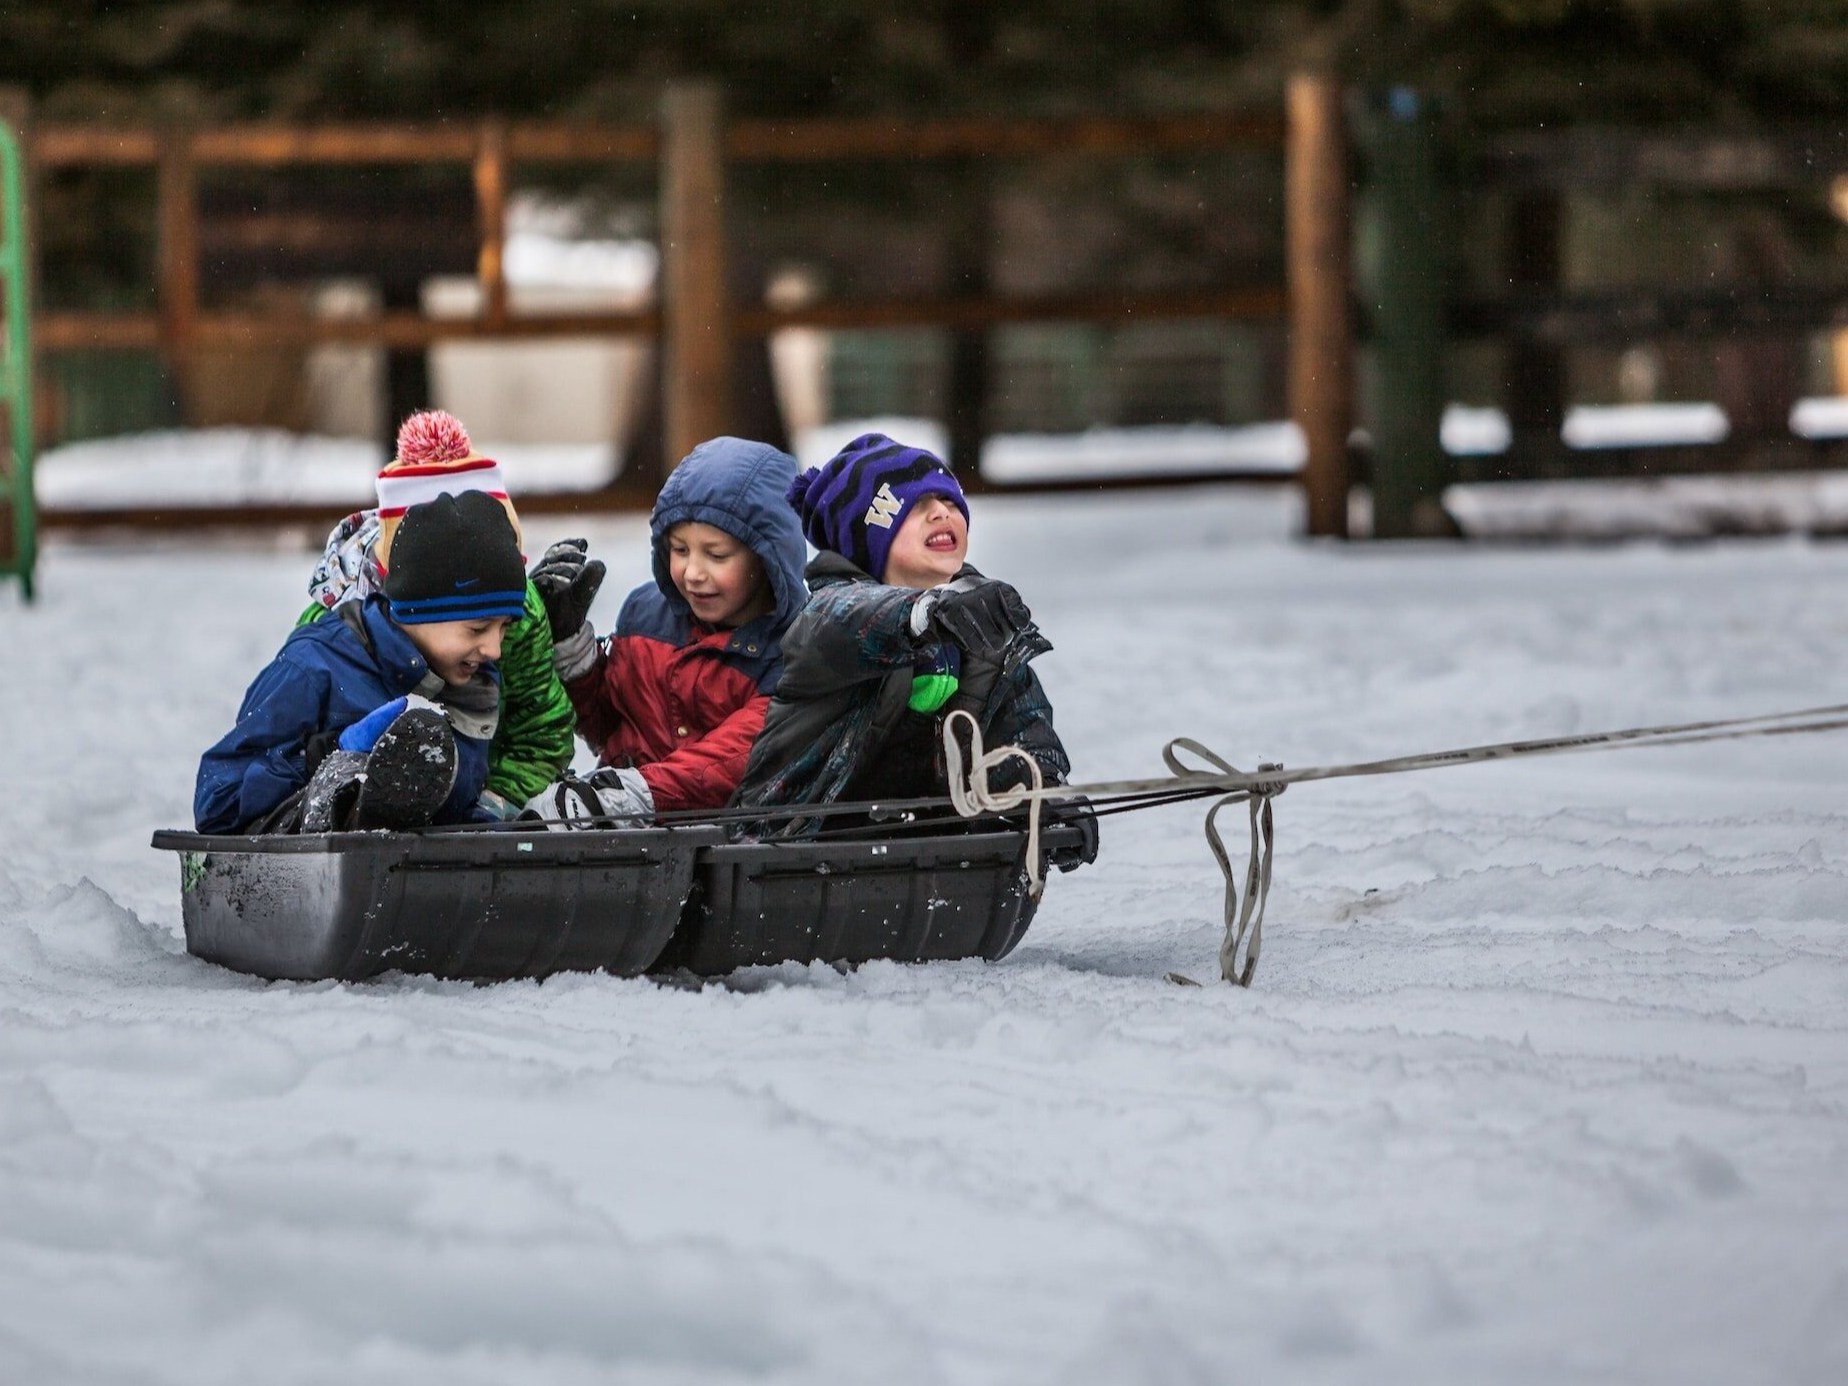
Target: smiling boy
898	633
673	697
718	575
532	742
380	714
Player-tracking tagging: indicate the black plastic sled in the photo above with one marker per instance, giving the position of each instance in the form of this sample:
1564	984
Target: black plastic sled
483	906
490	906
911	899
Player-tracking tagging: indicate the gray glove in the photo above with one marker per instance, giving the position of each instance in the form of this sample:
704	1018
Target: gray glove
606	798
567	579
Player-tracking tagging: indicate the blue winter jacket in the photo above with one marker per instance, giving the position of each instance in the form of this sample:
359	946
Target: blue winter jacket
323	679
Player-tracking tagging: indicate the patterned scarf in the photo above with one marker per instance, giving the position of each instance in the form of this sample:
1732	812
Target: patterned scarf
347	571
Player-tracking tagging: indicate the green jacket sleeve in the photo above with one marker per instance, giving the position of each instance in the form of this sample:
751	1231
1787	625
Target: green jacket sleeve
532	745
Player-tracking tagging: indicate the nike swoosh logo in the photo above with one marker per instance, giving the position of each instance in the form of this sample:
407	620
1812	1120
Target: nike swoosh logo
468	582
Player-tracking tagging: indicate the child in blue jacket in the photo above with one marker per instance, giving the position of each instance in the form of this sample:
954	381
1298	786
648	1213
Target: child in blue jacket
380	715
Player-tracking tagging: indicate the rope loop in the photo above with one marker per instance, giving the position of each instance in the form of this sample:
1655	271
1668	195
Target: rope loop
1243	918
1243	923
970	793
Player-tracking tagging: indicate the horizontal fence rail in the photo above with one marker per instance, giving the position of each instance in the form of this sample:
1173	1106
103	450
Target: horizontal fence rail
1616	318
1689	160
69	331
747	141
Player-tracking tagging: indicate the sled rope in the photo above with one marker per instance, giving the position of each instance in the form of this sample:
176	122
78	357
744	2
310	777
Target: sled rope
970	794
1243	924
1244	921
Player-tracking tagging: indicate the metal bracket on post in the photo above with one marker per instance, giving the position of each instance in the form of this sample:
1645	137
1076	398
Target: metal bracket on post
1402	261
18	508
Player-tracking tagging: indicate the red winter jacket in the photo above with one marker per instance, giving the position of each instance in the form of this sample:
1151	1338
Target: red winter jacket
685	714
678	700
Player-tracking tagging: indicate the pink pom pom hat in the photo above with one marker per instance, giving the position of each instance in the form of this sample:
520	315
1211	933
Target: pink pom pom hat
434	459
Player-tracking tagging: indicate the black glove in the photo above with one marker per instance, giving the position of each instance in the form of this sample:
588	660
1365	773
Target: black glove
318	748
568	579
1072	813
987	618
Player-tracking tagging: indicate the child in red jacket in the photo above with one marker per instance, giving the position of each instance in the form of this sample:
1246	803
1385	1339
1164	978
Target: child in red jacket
673	698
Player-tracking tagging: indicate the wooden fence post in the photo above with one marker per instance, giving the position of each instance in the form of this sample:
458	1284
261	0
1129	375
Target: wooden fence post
972	235
1536	384
1321	383
177	194
491	205
1403	241
696	336
1758	377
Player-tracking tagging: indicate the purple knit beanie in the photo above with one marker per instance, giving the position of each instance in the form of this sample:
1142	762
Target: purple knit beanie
855	501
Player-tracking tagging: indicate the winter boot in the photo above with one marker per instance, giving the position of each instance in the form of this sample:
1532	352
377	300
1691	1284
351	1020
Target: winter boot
327	803
410	771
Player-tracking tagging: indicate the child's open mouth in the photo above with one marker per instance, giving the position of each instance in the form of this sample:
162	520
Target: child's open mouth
941	541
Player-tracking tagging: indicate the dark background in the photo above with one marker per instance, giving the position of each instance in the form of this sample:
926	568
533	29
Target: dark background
1515	62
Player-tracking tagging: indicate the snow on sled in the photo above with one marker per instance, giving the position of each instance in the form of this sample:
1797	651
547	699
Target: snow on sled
492	906
477	905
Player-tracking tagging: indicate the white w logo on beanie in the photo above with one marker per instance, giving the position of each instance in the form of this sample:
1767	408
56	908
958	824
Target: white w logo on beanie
885	507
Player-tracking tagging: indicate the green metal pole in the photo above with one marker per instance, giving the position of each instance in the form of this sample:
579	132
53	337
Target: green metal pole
16	359
1402	262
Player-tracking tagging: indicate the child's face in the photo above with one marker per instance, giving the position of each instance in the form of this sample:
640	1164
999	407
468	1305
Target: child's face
456	650
719	576
930	545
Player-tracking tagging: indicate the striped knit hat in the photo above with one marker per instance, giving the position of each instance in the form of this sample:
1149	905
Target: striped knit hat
855	502
434	459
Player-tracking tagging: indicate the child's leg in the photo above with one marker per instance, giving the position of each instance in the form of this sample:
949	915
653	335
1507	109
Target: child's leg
400	783
409	772
327	803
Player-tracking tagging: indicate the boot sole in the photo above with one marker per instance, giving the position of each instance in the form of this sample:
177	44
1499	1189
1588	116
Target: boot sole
409	773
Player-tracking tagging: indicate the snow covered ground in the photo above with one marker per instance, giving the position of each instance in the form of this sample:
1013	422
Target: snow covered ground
1544	1078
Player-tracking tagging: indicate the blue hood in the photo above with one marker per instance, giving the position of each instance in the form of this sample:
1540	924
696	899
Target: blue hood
740	487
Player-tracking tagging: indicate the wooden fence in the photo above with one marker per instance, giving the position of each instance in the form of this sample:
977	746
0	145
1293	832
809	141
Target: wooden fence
1366	182
694	323
1750	325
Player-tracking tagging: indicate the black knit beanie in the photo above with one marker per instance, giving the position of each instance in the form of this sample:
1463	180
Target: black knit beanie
455	558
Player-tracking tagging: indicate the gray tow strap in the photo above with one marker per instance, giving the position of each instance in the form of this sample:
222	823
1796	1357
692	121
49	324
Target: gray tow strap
1244	920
